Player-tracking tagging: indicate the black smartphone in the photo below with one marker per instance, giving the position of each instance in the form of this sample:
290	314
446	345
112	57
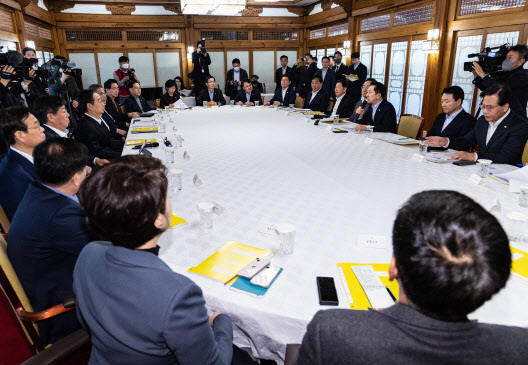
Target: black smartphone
327	291
464	162
340	131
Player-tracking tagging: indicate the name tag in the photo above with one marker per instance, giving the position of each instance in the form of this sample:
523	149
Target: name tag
418	158
475	179
372	241
369	140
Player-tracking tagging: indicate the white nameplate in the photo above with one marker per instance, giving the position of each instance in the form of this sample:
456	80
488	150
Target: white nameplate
186	156
418	158
267	228
218	209
369	140
196	180
475	179
329	128
372	241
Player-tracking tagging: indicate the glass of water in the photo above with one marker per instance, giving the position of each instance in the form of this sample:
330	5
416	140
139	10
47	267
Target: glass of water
232	103
423	148
175	179
484	167
286	233
257	103
370	131
205	104
523	196
205	209
169	154
291	107
336	119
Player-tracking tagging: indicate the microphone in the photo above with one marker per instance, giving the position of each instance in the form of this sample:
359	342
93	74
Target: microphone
362	107
14	57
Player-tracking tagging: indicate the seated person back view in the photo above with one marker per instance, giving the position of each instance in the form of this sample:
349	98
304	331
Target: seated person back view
447	264
210	94
48	232
93	131
248	95
381	114
135	102
317	99
21	132
151	314
285	94
454	121
499	133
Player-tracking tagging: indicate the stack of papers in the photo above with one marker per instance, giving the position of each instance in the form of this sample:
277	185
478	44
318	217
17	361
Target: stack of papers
395	138
515	178
440	157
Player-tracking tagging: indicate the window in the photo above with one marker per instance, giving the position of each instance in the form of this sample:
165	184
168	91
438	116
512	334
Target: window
416	79
338	29
397	75
379	60
318	33
365	54
481	6
416	15
376	22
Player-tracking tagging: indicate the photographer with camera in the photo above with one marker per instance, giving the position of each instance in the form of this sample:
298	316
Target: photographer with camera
123	75
16	77
510	72
200	72
61	84
40	83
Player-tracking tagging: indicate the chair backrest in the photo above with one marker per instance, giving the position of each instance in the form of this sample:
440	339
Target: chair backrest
410	125
525	154
299	101
122	106
16	294
158	103
72	349
330	106
264	87
4	221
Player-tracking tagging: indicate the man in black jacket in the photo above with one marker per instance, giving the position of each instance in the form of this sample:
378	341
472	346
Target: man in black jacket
500	133
344	105
283	70
381	114
305	75
317	99
112	106
211	95
515	76
284	95
454	121
234	79
201	61
135	102
360	70
248	95
339	67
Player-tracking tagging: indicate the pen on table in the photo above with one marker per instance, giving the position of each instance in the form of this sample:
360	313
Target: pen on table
390	293
400	139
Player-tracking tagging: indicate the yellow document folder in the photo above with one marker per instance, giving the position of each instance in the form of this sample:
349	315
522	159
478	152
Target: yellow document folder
145	130
225	263
519	263
357	299
139	142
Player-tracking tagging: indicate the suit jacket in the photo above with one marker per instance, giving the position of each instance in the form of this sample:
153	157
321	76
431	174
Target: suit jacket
132	106
43	249
218	97
329	81
319	103
354	88
143	322
278	76
304	78
353	117
401	334
167	100
346	107
506	144
255	96
50	133
459	127
97	138
16	172
384	120
517	80
114	110
289	97
232	90
343	70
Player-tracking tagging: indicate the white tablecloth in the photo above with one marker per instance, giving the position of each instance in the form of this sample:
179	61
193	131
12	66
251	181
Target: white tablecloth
262	165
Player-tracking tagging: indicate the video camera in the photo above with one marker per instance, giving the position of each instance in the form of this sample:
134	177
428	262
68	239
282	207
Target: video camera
60	63
202	50
21	66
490	59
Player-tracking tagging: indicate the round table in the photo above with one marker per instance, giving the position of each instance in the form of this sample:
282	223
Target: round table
263	165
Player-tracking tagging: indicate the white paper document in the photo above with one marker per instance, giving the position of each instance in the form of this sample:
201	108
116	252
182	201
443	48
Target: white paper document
376	292
515	178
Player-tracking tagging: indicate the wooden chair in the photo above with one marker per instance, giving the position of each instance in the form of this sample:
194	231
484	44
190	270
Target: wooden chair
122	106
72	349
263	87
20	302
524	158
262	100
299	101
158	103
4	222
291	353
330	106
410	125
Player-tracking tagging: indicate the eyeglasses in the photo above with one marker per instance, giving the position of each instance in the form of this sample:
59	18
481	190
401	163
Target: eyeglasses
488	107
35	127
114	88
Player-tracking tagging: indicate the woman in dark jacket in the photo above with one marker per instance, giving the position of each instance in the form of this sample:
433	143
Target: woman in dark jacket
171	96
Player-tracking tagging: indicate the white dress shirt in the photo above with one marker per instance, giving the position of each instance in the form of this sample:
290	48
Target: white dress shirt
313	95
493	126
284	94
58	131
29	157
100	121
336	106
449	118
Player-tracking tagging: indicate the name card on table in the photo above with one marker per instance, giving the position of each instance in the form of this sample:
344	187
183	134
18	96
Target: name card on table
418	158
368	140
476	180
267	228
330	128
218	209
186	156
372	241
196	180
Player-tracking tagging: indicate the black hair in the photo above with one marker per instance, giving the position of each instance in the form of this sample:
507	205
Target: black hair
58	159
11	122
209	77
94	87
379	88
122	200
355	55
28	49
339	53
170	83
181	80
456	91
47	104
318	78
523	51
283	56
451	254
502	91
108	84
84	98
286	75
131	83
123	59
326	58
343	82
248	81
235	60
254	77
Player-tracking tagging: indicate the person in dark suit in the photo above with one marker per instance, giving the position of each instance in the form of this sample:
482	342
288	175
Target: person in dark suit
126	274
283	70
211	94
459	245
286	94
201	61
329	77
305	74
113	108
500	134
382	114
454	121
248	95
44	247
362	106
171	96
513	75
115	131
317	99
234	79
344	105
135	102
92	131
360	70
22	133
256	84
340	68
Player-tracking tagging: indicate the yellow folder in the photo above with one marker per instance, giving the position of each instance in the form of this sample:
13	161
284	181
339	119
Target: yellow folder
139	142
354	289
225	263
144	129
520	263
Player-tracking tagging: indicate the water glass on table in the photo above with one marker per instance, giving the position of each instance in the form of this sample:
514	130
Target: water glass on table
205	104
169	154
523	196
370	131
286	233
484	167
162	128
291	107
423	147
232	103
336	119
205	209
175	179
257	103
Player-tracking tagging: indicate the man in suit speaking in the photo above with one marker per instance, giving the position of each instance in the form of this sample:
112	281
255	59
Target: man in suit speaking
381	114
